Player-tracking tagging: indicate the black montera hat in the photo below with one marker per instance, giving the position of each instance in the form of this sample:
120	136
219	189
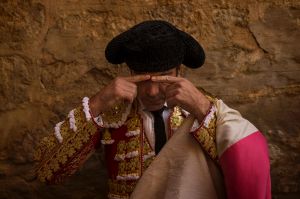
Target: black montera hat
154	46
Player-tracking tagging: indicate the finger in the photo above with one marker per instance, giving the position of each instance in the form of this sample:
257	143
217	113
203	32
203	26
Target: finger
128	85
171	93
129	92
166	79
130	89
172	89
120	83
137	78
129	96
172	102
172	86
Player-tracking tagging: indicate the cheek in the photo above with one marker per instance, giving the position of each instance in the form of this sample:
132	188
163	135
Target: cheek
141	90
163	88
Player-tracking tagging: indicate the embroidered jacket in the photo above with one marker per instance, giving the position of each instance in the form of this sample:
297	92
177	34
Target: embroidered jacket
128	151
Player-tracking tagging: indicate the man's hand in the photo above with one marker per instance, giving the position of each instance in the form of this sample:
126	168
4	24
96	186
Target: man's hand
121	88
183	93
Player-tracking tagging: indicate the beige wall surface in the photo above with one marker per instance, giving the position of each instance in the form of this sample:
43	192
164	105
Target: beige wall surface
52	54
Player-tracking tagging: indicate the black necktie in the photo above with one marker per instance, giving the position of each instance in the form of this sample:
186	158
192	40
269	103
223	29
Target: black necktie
159	128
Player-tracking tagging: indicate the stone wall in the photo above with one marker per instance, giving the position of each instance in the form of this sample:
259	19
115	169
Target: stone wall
51	55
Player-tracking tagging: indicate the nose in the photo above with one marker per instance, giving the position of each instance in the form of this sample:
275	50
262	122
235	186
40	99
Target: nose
153	89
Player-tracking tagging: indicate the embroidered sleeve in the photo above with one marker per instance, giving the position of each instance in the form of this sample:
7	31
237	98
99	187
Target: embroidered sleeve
116	116
61	153
205	132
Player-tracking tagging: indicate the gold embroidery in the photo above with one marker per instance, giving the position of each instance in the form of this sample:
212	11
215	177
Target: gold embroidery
128	152
148	155
121	151
115	114
120	189
133	144
207	137
176	118
129	167
47	144
133	123
121	147
122	168
148	161
147	148
106	137
53	155
132	166
210	96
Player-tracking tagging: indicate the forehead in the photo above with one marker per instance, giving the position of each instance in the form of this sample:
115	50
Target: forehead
167	72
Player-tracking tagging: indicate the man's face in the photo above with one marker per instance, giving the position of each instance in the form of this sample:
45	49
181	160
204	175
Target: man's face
152	94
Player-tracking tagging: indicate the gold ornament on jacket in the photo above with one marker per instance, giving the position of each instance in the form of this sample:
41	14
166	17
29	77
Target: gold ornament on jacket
106	137
176	118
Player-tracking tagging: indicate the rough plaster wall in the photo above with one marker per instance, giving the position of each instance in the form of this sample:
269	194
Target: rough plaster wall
51	55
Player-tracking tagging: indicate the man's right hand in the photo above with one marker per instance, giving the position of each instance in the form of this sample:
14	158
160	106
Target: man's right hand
120	89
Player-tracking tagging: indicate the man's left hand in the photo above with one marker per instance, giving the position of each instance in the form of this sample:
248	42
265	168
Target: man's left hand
181	92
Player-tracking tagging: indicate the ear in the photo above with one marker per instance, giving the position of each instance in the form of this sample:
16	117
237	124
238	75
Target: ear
180	71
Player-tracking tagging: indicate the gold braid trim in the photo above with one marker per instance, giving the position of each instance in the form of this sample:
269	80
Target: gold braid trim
120	189
206	134
207	138
54	156
148	155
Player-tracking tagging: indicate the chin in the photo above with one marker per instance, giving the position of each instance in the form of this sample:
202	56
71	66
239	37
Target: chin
154	107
